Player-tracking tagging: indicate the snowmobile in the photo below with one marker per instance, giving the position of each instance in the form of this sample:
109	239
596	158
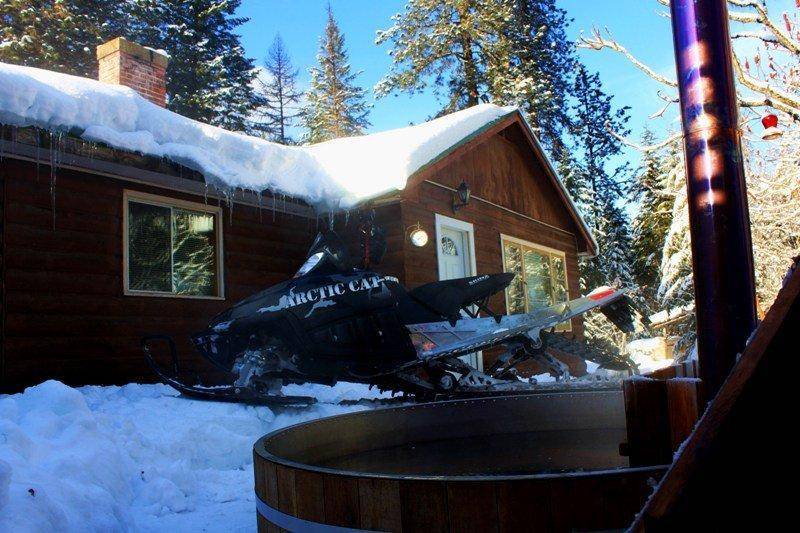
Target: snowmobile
336	322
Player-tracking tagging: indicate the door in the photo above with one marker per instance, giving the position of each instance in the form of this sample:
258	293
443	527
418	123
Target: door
453	259
455	241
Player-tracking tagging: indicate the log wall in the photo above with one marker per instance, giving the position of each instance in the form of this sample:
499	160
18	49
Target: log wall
65	314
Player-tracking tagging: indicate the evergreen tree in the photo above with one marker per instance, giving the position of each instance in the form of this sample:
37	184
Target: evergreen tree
208	78
454	44
59	35
335	104
535	75
652	190
281	97
595	182
598	187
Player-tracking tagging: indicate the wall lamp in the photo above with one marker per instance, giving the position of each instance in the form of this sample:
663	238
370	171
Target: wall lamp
417	235
461	198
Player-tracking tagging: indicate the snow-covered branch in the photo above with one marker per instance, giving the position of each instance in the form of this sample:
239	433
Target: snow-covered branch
762	17
598	42
644	148
789	102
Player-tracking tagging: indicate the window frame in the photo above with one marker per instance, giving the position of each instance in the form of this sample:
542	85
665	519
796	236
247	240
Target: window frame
540	248
169	202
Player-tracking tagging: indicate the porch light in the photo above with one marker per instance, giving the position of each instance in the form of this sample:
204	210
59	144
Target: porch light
417	235
771	130
461	198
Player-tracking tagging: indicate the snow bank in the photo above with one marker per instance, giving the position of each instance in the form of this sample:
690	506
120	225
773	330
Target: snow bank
340	173
136	457
650	354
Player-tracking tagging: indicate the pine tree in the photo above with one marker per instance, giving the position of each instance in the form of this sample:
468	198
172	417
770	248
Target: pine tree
59	35
536	74
450	44
281	97
598	187
594	184
652	190
208	78
335	104
676	287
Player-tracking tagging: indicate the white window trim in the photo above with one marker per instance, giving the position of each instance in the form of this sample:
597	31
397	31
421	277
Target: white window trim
543	248
165	201
459	225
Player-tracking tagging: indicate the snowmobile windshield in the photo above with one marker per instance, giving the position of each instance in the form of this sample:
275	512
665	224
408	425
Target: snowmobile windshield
310	264
327	254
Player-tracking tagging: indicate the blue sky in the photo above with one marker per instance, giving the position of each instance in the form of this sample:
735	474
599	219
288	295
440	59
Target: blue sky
300	22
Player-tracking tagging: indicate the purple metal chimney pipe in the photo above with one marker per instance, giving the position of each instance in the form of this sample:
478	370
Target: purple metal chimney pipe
722	254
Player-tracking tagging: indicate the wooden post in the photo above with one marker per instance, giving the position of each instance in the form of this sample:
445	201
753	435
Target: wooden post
684	405
647	418
660	414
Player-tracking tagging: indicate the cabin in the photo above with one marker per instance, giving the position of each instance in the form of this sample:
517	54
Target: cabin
121	219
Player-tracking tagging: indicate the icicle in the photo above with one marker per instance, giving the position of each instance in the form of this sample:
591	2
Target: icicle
55	159
230	193
38	162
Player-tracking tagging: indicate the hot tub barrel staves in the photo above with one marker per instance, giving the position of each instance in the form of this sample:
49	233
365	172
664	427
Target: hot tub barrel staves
542	462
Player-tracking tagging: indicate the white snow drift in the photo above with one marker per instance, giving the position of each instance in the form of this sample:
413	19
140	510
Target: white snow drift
338	173
136	458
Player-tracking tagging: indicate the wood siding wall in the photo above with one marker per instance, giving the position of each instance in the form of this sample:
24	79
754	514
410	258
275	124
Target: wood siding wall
65	313
501	172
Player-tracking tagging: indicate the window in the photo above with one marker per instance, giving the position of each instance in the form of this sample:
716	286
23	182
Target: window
449	246
541	277
172	248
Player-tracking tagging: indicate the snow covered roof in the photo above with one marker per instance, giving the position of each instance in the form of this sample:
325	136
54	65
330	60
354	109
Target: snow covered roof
335	174
342	172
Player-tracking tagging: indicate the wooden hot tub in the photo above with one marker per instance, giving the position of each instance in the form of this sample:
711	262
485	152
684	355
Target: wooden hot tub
547	461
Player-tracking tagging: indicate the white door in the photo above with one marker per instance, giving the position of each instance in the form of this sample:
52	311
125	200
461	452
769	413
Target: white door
455	251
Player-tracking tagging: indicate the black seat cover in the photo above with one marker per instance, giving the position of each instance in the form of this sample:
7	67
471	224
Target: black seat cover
448	297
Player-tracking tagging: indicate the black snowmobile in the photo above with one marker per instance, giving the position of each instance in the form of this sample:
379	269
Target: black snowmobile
334	322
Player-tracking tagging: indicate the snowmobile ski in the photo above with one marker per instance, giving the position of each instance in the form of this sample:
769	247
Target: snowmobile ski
221	393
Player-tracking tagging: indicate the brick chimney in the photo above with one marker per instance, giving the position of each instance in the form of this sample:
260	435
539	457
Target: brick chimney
122	62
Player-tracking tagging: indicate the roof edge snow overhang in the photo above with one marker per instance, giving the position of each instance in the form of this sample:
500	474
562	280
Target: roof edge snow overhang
496	126
130	173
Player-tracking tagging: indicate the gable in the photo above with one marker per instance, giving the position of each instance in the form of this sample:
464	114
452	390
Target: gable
506	166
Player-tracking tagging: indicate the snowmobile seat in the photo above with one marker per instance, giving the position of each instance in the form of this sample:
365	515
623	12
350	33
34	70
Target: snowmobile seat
448	297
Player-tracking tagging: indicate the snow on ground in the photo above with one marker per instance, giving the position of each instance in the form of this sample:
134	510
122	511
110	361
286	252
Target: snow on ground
649	354
337	173
137	457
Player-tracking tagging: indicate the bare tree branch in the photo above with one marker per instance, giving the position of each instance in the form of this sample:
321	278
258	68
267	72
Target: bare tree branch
741	16
644	148
763	17
763	36
777	96
598	42
660	112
